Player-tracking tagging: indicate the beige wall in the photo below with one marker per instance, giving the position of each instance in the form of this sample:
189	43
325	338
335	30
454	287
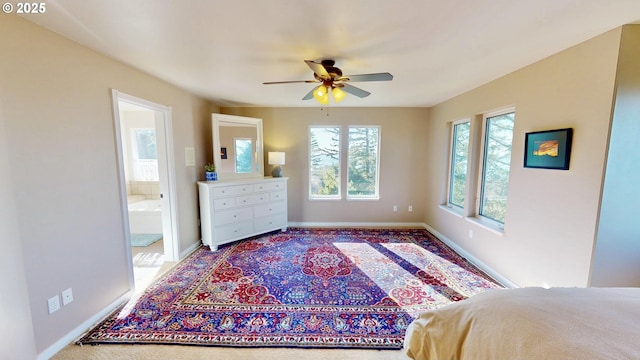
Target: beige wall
56	102
402	161
551	214
16	331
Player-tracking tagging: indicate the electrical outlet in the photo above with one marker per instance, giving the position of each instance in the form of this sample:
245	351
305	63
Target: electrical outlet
67	297
395	208
470	234
410	208
53	304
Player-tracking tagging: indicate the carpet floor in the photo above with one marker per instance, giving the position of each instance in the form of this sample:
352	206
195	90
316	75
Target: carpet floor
325	288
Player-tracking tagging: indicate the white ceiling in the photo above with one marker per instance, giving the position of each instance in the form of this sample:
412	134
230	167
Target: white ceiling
436	49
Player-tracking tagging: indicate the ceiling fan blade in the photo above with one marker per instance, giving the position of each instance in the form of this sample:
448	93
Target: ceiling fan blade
318	69
368	77
289	82
354	90
309	95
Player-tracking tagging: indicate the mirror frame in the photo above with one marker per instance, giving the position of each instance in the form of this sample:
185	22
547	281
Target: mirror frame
216	120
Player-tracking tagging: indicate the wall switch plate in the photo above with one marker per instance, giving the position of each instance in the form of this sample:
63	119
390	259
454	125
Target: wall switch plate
395	208
53	304
67	297
189	156
410	208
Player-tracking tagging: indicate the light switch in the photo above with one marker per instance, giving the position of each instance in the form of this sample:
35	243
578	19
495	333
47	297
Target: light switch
189	156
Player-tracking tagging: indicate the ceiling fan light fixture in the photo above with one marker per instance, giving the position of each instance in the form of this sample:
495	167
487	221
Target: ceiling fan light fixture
321	94
338	94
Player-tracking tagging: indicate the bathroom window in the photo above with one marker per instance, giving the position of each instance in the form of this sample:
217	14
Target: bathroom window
145	155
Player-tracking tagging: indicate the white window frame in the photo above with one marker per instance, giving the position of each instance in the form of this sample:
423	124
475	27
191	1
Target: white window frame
338	196
376	195
450	176
487	221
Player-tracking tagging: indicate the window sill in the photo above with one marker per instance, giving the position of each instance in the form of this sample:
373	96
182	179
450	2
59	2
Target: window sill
451	210
325	199
498	230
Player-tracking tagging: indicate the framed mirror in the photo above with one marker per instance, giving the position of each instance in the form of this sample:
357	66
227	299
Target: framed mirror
237	146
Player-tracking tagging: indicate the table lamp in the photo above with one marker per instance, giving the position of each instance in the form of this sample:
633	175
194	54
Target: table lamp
276	158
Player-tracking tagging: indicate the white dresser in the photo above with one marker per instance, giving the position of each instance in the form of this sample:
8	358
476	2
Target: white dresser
233	210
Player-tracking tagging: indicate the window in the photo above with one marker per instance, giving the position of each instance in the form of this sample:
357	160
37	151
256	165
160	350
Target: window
460	132
244	152
363	162
498	138
145	155
324	162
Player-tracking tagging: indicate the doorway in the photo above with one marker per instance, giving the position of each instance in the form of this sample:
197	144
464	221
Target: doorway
145	166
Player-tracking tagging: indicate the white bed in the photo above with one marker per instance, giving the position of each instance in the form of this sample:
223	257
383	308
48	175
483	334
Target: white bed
531	323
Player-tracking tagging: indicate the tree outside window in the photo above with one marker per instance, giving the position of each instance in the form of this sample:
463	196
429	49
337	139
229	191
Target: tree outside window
364	150
324	162
244	155
458	166
497	161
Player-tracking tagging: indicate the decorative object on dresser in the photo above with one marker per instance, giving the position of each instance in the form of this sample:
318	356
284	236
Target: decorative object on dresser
210	172
276	158
234	210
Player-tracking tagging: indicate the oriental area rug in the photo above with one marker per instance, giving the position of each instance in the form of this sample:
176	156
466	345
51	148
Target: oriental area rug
338	288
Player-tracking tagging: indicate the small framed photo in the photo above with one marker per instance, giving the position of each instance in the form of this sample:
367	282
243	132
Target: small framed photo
549	149
223	153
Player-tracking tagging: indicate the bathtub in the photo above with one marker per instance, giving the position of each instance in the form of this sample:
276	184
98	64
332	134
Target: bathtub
145	217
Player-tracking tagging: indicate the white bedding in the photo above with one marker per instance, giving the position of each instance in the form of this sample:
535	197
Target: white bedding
531	323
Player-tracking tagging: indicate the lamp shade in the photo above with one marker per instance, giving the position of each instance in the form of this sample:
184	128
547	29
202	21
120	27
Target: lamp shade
276	158
338	94
321	94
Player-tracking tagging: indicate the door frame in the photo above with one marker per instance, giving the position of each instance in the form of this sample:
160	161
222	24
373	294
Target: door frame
166	169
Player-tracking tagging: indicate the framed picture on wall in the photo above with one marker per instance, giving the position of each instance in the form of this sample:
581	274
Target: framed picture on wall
549	149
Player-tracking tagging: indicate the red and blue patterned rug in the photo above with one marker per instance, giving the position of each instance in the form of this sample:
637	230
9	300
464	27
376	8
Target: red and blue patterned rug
299	288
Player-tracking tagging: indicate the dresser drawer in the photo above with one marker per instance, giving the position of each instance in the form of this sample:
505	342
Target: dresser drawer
232	190
234	231
270	186
233	215
271	222
221	204
278	195
269	209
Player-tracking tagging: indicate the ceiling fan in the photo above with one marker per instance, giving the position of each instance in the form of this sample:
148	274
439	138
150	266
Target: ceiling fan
333	82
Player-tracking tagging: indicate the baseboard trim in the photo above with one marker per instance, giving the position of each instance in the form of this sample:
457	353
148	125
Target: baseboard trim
356	224
472	259
76	333
189	250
